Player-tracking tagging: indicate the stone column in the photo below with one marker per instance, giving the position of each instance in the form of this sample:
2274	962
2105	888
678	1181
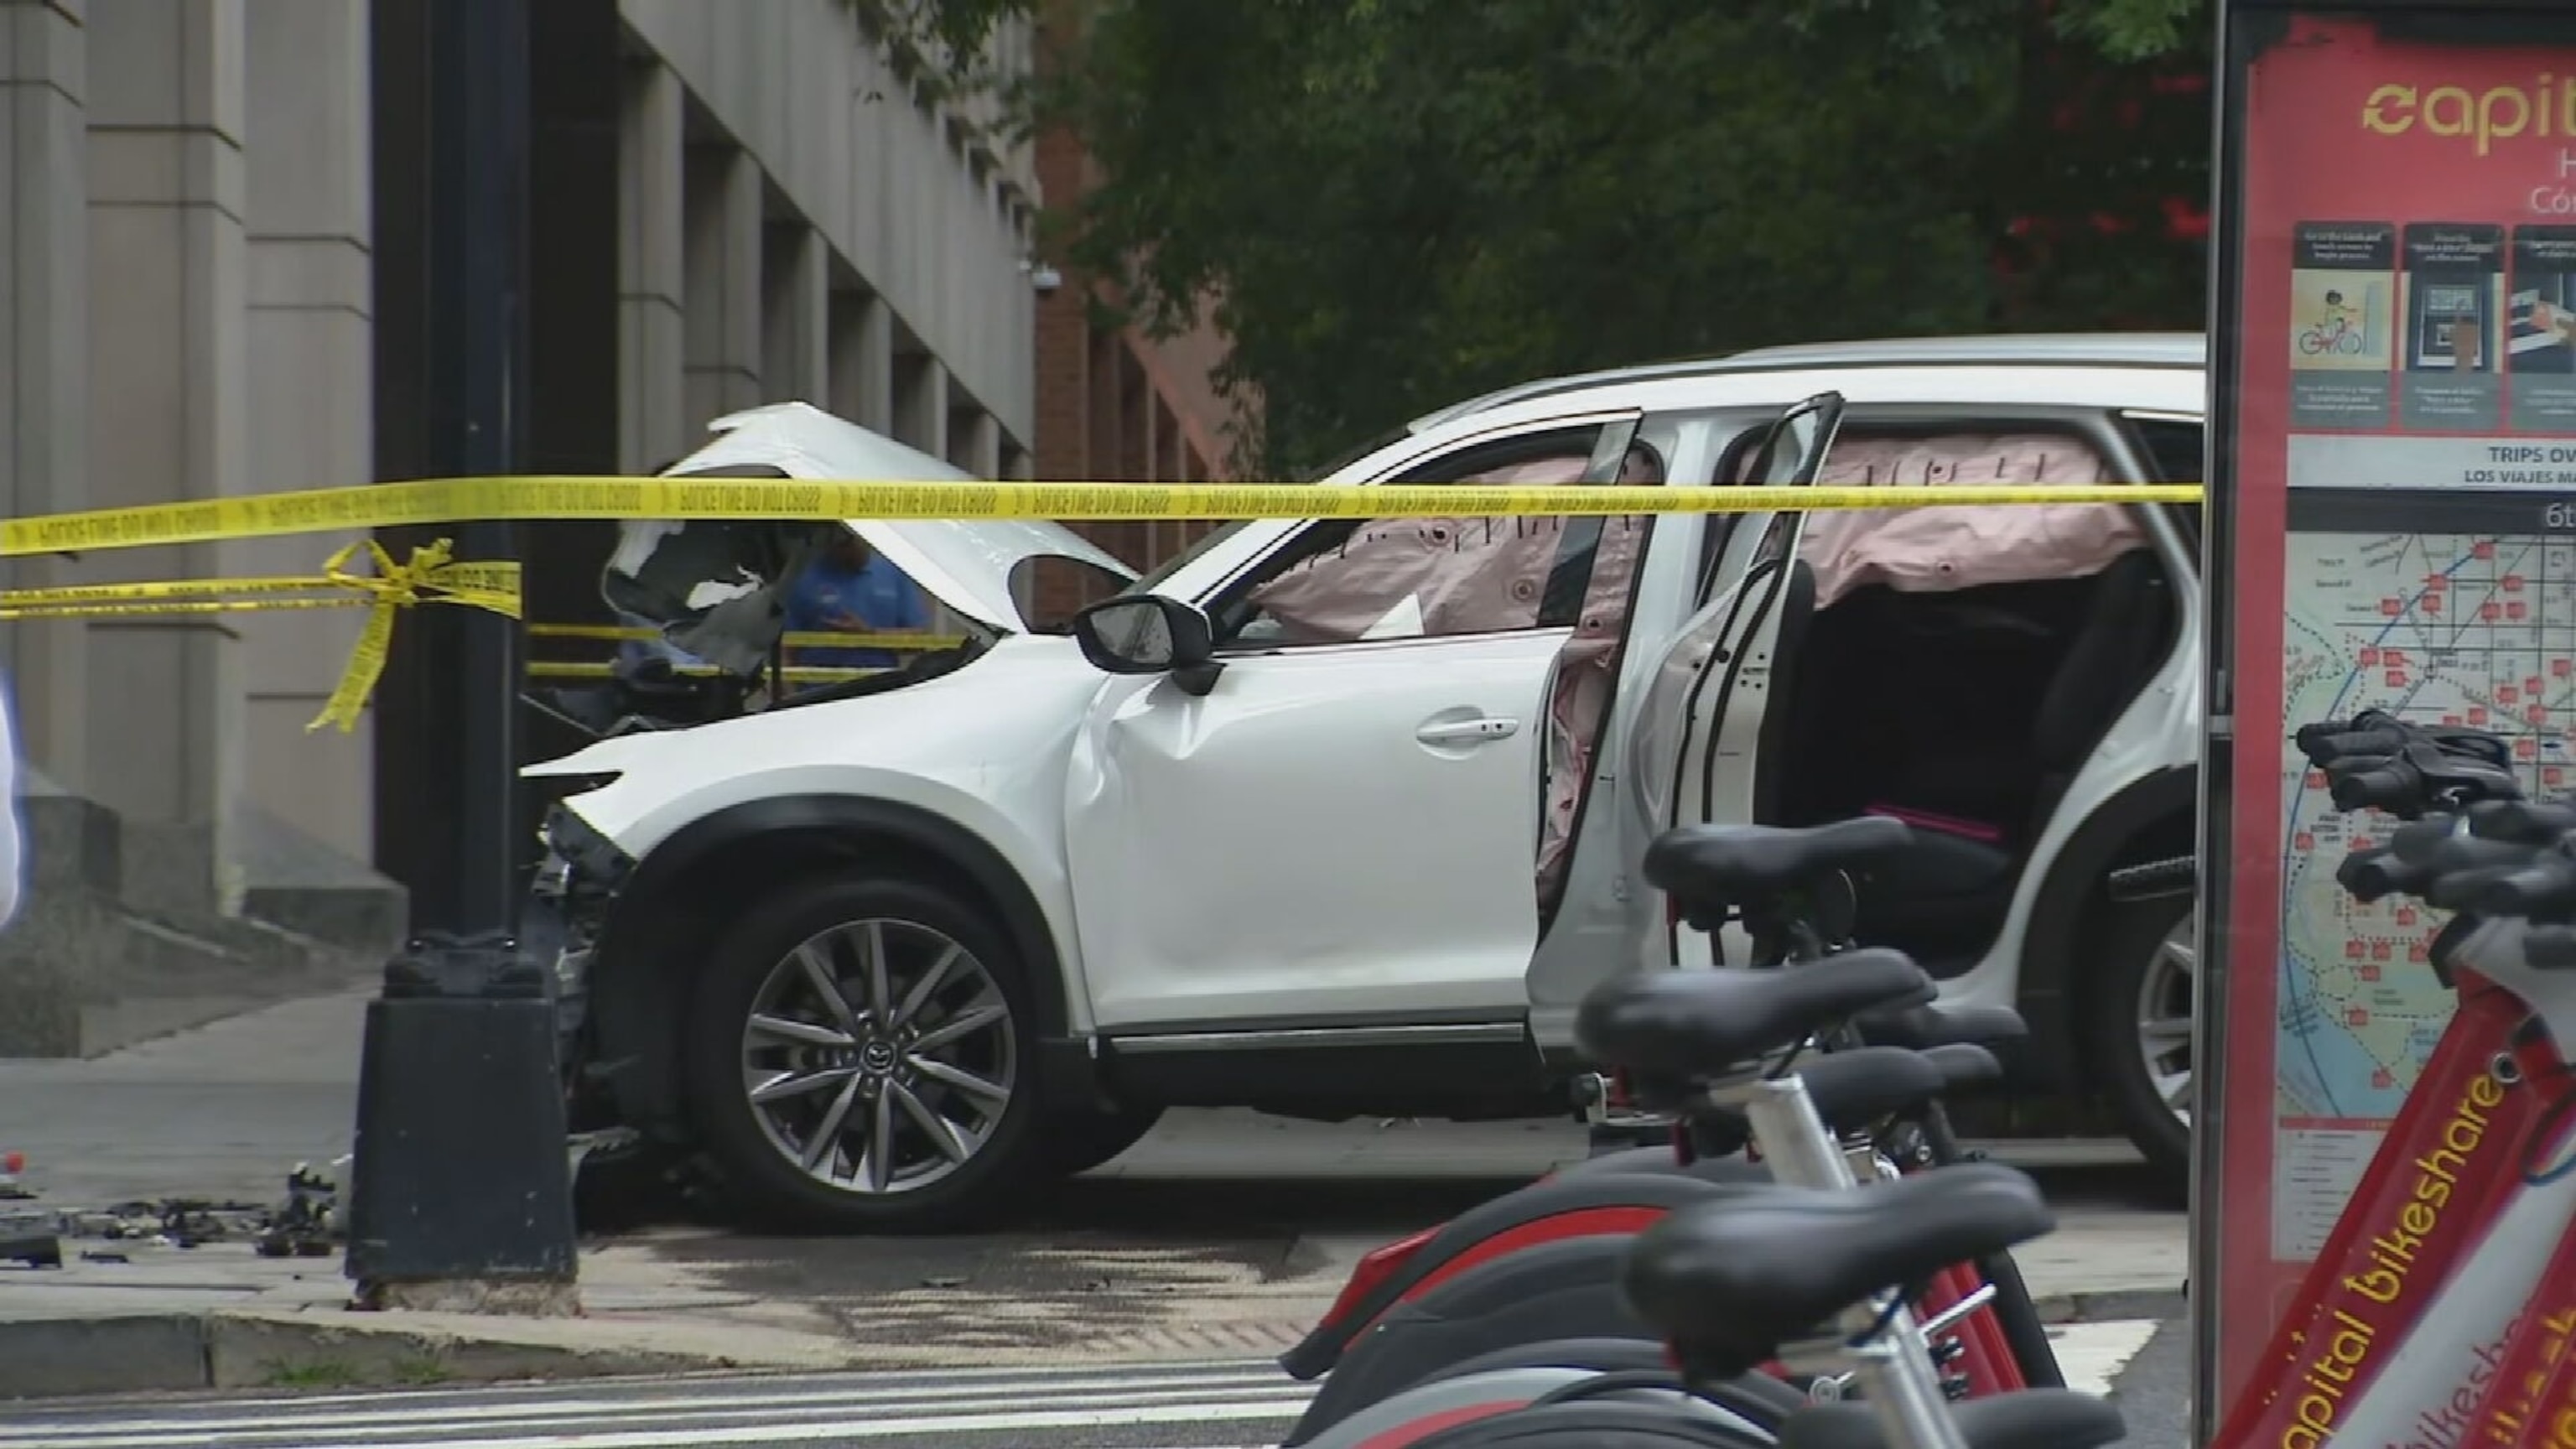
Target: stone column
44	355
653	425
169	388
921	402
721	259
975	438
862	370
311	395
795	342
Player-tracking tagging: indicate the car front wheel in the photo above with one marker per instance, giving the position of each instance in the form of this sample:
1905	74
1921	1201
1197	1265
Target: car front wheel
2141	1026
859	1060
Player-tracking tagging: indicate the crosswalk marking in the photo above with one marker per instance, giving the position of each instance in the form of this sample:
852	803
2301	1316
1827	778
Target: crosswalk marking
588	1405
1236	1400
2091	1355
987	1422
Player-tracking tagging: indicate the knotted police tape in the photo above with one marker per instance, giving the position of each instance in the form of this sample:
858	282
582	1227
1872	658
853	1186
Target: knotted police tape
431	576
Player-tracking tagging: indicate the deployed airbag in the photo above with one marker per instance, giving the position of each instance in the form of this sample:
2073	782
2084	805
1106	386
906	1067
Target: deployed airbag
1936	549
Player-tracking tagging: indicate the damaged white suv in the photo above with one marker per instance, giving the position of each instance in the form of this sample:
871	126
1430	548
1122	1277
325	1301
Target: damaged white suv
1362	830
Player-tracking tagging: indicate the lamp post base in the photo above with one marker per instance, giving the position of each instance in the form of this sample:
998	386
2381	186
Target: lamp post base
461	1191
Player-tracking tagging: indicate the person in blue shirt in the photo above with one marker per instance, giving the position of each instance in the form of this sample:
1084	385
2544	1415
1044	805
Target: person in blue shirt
849	590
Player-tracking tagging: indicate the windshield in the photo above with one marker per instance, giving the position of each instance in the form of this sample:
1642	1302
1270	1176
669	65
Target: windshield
1383	440
1153	578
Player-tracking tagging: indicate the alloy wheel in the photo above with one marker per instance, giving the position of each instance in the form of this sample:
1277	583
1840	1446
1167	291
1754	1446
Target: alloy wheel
2165	990
879	1056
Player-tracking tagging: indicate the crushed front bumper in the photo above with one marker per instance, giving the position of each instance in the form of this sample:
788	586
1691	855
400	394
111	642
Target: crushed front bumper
560	926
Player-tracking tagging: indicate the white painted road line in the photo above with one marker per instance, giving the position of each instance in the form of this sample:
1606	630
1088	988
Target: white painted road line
586	1404
1009	1406
2091	1355
990	1422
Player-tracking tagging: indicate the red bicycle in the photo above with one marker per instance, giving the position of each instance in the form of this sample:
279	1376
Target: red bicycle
1518	1283
2445	1296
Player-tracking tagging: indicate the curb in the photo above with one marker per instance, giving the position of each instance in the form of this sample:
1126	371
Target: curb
2106	1305
184	1352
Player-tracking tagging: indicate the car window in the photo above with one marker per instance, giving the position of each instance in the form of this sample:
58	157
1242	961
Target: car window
2174	447
1152	579
2177	448
1771	455
1343	581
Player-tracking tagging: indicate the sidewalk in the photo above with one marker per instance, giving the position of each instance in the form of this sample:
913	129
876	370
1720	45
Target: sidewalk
219	1113
1223	1235
221	1317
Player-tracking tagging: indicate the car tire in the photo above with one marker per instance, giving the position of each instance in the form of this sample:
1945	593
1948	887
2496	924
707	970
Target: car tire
2138	1018
944	1071
1079	1142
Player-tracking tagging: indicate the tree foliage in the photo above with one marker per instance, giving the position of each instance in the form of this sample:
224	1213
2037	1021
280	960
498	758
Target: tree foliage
941	43
1389	205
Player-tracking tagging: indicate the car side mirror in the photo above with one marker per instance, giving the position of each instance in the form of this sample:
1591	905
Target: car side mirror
1149	634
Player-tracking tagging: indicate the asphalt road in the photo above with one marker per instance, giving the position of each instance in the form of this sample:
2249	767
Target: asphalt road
1231	1404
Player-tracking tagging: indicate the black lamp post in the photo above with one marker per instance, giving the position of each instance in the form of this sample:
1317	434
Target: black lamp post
462	1179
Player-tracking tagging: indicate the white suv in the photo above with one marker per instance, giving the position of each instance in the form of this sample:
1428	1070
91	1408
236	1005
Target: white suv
881	955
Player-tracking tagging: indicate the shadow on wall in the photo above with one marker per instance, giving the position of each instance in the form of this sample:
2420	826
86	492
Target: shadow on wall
118	937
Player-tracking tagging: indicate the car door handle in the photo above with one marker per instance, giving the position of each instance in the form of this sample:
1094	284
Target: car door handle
1480	730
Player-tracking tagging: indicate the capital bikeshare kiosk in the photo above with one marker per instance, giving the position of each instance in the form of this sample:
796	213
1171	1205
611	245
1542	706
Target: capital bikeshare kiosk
2391	524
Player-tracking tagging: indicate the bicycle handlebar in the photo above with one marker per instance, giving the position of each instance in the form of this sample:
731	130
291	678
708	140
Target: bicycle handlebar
2373	875
2418	839
2467	854
2470	842
2375	761
2326	749
2387	784
2377	732
2317	741
2525	822
2540	888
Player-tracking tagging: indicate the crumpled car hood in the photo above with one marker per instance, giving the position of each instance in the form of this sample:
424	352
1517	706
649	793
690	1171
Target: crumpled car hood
716	587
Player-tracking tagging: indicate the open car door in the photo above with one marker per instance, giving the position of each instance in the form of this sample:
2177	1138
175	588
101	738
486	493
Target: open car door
1695	748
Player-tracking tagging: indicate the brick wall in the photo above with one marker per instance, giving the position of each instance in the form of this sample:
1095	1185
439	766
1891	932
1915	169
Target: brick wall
1117	407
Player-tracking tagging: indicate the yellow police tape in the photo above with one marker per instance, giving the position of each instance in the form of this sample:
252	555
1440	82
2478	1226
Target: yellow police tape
430	576
601	669
433	576
794	639
461	500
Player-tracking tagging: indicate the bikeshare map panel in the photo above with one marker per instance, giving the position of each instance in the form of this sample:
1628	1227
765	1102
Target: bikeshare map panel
2471	629
2404	525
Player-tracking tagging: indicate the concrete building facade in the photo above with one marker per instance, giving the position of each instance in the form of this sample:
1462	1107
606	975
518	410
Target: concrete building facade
210	286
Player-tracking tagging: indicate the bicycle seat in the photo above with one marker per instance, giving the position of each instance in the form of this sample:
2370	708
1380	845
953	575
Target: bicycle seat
1725	865
1963	1066
1851	1089
1921	1028
2030	1419
1691	1025
1730	1279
